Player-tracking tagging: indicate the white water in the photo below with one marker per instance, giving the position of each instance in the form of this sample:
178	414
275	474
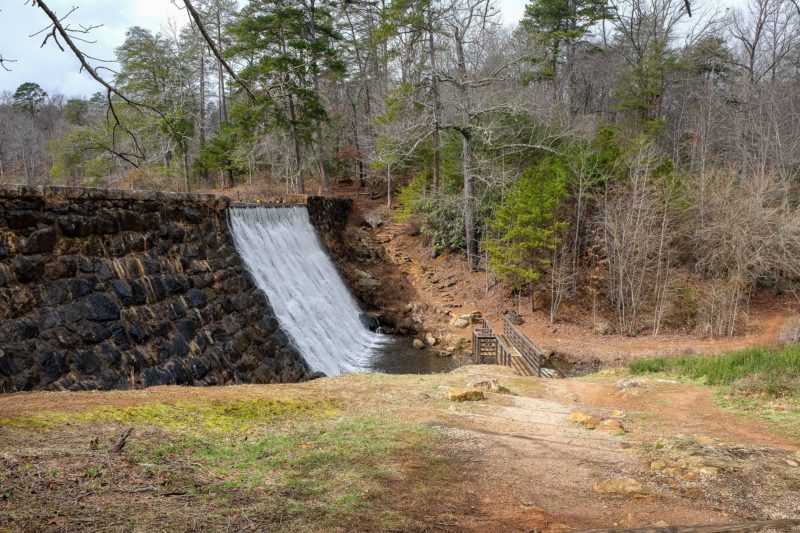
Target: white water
281	250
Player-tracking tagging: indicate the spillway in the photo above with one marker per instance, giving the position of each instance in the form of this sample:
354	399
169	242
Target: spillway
281	249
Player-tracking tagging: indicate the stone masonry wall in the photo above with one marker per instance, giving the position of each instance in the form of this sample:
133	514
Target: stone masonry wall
116	289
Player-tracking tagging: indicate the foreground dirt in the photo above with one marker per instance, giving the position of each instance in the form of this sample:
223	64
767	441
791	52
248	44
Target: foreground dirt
513	462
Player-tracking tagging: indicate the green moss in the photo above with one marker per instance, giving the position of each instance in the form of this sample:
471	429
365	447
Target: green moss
239	415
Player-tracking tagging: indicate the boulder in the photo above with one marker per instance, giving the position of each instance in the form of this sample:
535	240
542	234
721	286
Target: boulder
515	318
490	385
459	323
418	344
620	487
627	384
430	340
457	394
612	426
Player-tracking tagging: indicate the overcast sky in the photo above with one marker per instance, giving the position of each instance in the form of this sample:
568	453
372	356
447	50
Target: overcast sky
58	72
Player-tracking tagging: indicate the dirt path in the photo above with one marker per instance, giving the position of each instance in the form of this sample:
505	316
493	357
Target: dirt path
544	467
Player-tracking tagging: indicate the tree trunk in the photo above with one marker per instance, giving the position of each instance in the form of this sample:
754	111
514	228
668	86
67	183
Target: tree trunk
202	95
437	138
327	186
467	163
223	106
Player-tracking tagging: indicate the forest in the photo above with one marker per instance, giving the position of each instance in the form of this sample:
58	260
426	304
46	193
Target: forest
642	155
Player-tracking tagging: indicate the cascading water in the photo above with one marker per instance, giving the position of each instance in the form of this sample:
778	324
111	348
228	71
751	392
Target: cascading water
281	250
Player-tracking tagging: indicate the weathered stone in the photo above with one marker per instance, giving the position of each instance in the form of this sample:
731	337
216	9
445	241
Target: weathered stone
195	298
100	307
28	269
130	221
56	293
457	394
620	487
93	332
612	426
120	300
22	219
459	323
418	344
76	226
122	290
79	287
489	386
42	241
370	322
515	318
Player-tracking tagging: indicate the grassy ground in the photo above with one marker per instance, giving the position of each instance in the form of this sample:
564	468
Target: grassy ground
260	464
759	381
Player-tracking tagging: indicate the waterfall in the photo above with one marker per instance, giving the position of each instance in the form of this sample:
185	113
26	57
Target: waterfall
280	248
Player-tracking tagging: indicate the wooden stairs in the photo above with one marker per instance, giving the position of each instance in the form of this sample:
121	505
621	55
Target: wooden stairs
516	361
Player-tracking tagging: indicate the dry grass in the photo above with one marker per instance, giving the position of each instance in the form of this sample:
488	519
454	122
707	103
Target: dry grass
227	459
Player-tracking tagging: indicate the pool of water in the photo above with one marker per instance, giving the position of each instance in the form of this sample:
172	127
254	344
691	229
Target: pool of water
398	356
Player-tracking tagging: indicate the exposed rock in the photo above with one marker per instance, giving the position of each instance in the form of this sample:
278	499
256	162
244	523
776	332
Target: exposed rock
430	340
418	344
101	308
41	241
618	414
515	318
628	384
620	487
457	394
453	343
612	426
489	386
370	322
460	323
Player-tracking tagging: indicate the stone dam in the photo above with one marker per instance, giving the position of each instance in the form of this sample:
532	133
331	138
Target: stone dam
111	289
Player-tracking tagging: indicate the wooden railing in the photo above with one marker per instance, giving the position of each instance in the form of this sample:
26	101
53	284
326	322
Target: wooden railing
529	352
484	345
489	348
503	353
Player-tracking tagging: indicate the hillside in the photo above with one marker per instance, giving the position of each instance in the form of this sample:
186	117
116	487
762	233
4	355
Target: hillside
434	290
